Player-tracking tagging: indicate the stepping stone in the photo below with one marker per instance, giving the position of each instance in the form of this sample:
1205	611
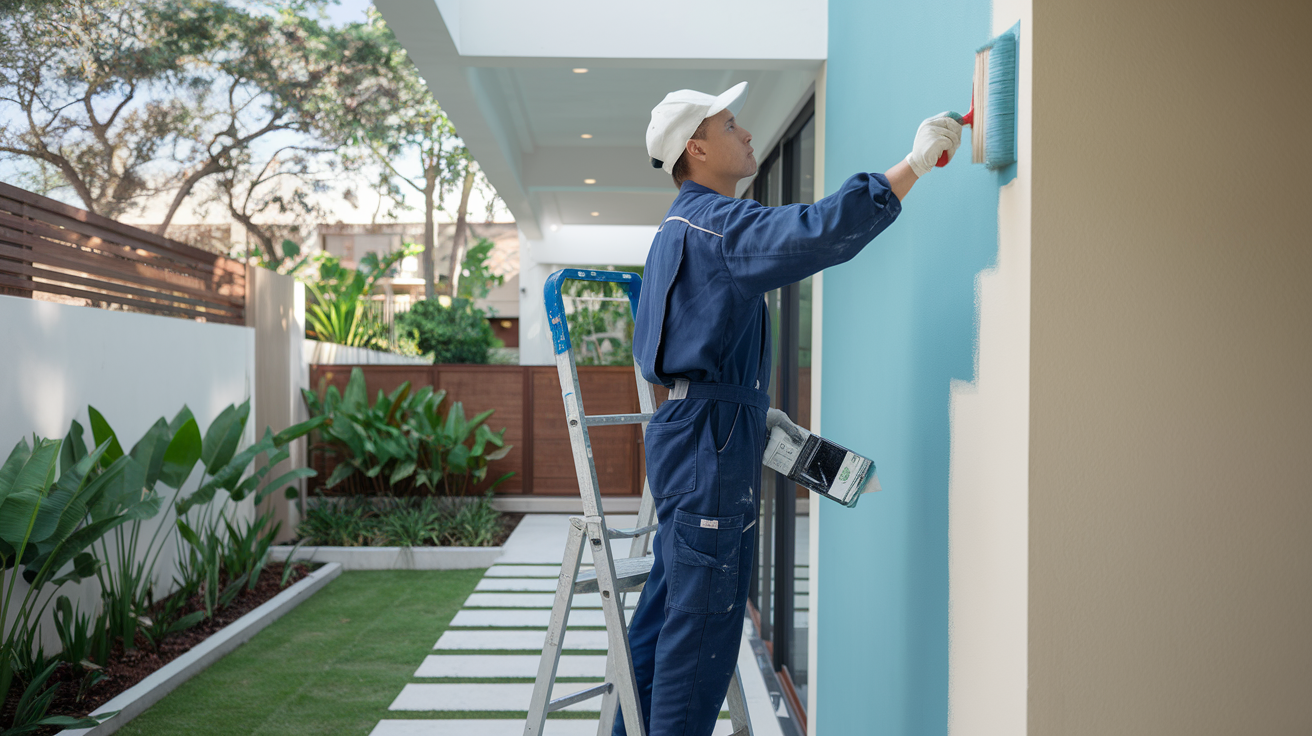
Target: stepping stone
540	538
536	600
532	639
508	665
523	571
536	618
500	696
461	727
524	584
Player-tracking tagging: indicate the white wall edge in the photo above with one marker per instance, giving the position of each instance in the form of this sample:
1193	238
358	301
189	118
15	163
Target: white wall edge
817	376
394	558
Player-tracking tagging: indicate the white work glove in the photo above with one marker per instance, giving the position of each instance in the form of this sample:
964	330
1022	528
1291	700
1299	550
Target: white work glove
934	136
775	417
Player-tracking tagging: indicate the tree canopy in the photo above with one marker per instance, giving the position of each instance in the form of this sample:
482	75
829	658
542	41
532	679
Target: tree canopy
253	107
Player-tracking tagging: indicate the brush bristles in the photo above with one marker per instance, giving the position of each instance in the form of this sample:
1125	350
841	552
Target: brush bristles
1000	118
980	92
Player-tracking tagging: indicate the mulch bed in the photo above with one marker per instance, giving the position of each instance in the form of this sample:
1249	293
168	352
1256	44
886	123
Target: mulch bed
126	669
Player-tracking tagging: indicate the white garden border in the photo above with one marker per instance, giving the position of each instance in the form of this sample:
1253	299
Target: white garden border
136	699
395	558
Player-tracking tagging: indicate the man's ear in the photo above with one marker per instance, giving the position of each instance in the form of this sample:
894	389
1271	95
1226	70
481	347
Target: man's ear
695	149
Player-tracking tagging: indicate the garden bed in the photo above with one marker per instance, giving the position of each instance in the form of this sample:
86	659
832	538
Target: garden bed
373	550
126	669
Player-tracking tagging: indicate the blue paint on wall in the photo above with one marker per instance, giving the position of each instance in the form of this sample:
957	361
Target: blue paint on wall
900	323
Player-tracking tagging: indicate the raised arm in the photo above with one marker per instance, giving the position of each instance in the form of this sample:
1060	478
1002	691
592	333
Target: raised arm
765	248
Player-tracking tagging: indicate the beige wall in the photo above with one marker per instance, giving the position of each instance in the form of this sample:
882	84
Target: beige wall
275	307
1171	369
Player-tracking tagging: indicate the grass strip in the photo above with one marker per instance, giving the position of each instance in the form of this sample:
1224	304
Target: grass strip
331	666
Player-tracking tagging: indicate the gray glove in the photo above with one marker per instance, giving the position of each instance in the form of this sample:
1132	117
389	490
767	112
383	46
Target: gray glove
776	418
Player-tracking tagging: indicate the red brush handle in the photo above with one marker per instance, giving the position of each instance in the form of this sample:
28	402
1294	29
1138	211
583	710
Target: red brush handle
967	119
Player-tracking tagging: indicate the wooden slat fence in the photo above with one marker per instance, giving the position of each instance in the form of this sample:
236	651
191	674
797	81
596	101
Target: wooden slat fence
48	247
528	404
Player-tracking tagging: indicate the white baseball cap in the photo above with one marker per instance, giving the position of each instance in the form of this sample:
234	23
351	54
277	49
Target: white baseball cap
675	120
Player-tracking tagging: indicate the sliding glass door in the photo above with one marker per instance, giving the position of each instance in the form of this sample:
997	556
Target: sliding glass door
780	591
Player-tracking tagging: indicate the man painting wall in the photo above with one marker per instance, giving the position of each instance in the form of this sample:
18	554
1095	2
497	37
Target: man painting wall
703	330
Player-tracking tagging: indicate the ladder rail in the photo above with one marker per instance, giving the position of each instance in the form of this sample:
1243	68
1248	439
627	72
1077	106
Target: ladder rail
619	692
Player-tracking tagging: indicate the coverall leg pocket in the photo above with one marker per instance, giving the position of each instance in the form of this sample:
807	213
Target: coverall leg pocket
704	572
671	449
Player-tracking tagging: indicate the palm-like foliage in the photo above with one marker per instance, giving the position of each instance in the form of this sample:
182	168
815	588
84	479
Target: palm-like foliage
337	313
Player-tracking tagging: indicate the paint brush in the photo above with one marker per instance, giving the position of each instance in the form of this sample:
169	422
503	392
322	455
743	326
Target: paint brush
992	116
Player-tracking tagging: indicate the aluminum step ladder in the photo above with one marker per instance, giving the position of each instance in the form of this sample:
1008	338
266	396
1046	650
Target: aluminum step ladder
612	578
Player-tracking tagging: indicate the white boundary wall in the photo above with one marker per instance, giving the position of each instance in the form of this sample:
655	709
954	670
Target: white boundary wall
134	368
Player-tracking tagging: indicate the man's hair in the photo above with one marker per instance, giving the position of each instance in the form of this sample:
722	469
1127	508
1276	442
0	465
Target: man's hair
680	171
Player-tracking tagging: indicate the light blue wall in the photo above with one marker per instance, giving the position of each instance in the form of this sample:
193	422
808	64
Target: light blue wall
899	324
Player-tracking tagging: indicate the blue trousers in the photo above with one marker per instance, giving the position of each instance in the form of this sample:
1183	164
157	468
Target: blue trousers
704	467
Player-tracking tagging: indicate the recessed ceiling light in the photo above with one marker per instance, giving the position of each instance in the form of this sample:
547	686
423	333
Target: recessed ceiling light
596	214
586	135
580	70
554	228
589	181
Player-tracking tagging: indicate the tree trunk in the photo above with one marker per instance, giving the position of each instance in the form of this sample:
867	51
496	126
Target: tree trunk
462	232
430	234
184	191
265	240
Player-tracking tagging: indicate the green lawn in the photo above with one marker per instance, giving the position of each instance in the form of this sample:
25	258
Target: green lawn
331	666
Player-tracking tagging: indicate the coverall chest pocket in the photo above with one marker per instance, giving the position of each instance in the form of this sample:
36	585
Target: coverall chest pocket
671	449
704	576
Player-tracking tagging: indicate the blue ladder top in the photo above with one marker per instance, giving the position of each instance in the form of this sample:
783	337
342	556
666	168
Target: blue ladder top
632	282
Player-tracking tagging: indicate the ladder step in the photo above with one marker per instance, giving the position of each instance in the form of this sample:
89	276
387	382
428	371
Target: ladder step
629	533
579	697
630	574
604	419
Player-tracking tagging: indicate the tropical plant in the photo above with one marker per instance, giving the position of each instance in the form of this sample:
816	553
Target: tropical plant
476	524
167	455
247	550
402	437
209	546
85	643
338	522
51	511
419	525
337	313
458	333
167	618
402	522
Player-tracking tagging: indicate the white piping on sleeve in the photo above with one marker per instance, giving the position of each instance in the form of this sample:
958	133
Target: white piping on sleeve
689	224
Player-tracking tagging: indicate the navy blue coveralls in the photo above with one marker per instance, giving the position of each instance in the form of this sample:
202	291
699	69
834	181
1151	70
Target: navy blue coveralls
702	318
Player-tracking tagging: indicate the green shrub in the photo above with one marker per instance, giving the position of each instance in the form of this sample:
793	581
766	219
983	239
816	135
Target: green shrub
455	334
402	440
402	522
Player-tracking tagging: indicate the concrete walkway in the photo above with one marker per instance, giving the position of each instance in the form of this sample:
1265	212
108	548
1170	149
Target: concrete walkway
498	635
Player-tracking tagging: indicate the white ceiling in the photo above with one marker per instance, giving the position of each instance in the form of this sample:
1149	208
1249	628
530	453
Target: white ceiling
523	116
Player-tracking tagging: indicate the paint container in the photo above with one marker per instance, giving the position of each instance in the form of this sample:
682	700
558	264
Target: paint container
821	466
